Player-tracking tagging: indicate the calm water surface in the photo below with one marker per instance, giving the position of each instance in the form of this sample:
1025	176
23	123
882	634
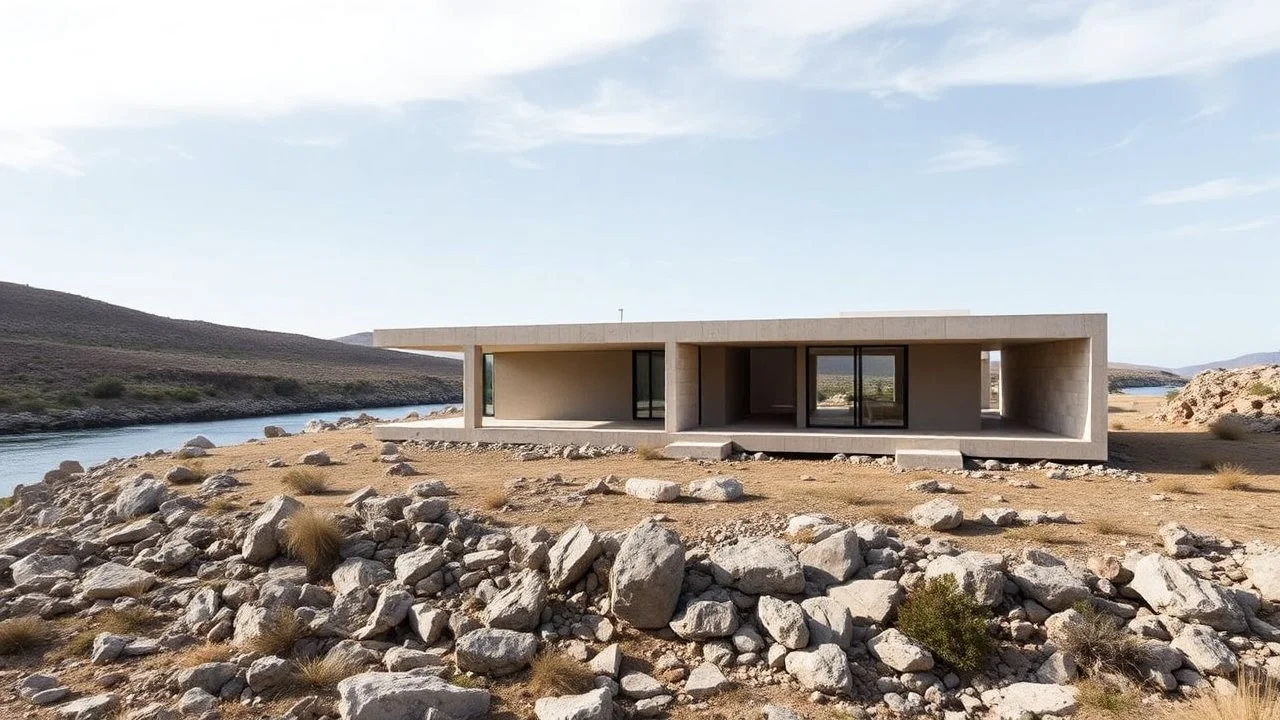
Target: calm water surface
1160	391
24	459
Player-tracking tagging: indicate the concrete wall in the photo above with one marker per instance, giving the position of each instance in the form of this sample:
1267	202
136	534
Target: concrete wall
940	382
1047	385
585	385
713	400
737	370
682	387
773	387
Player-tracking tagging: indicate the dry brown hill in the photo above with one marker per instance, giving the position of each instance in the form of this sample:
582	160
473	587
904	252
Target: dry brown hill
70	361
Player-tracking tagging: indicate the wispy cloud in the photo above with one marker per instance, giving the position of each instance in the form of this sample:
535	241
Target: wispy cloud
521	162
1255	224
1211	190
1127	140
31	152
970	152
318	141
617	115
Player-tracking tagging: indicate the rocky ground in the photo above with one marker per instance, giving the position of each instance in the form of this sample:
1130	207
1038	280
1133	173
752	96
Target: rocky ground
660	589
1249	396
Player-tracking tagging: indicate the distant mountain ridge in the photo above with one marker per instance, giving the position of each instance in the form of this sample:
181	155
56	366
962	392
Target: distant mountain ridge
363	339
1258	358
69	361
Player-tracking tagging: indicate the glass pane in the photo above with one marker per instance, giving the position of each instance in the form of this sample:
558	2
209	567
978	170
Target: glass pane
883	391
488	385
832	397
658	384
641	374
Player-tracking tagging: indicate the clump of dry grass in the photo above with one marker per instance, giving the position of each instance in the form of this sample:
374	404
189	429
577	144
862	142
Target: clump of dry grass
77	646
313	538
888	516
323	673
22	634
1102	646
127	621
1231	476
650	452
495	500
221	505
1108	526
1261	388
846	495
803	536
1172	485
1107	699
279	634
1118	426
553	674
204	653
1254	699
1227	428
305	482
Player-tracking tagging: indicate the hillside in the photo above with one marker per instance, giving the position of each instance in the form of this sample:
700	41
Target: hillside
1258	358
1135	376
363	339
69	361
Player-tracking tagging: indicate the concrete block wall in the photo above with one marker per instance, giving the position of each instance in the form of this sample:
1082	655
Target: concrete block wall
940	382
570	385
682	387
1048	385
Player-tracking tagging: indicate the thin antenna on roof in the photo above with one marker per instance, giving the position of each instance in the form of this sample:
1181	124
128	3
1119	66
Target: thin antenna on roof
619	314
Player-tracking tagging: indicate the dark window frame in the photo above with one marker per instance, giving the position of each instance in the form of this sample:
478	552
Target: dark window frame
810	386
488	405
635	384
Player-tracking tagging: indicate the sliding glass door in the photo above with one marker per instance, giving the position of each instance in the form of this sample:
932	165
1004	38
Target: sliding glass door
649	384
857	387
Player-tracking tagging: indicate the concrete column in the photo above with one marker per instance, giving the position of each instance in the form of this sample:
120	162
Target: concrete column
802	387
984	387
472	387
681	387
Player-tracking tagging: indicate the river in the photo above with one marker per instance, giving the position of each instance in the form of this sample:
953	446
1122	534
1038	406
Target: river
24	459
1160	391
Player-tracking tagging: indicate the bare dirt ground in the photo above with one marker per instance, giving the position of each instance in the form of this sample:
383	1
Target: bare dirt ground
1108	515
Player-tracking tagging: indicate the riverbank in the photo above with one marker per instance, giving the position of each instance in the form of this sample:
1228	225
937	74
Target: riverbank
82	418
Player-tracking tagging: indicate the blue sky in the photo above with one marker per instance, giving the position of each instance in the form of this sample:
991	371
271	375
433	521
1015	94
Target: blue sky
306	167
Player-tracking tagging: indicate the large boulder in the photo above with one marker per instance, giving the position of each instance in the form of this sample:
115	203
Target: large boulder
869	602
416	565
571	556
1263	570
391	610
262	541
356	572
401	696
900	652
1024	699
660	491
1205	651
833	559
112	580
723	488
704	619
495	652
828	621
1052	585
37	565
647	573
519	606
784	621
937	515
979	575
759	566
139	496
825	669
594	705
1170	589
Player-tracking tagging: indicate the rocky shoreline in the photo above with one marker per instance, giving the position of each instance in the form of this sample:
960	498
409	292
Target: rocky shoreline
105	417
418	608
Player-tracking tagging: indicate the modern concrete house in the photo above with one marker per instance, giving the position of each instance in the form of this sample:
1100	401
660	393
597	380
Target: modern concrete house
915	386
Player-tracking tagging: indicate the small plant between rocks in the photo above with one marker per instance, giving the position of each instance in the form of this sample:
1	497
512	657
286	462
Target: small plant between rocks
948	622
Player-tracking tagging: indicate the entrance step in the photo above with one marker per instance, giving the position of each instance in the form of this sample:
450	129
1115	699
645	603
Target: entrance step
929	460
709	450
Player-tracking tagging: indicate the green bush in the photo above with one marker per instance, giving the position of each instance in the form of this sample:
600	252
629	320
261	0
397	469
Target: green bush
948	622
186	394
107	388
69	398
32	405
1171	394
286	387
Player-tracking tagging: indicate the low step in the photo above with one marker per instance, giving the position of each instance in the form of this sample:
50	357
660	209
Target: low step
710	450
929	460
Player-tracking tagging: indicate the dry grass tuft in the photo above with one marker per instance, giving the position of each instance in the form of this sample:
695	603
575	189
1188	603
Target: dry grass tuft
1107	699
75	647
323	673
552	674
1118	426
495	500
1102	646
1172	485
650	452
127	621
803	536
1231	476
23	634
1254	699
279	634
887	516
1227	428
221	506
204	653
305	482
1109	526
313	538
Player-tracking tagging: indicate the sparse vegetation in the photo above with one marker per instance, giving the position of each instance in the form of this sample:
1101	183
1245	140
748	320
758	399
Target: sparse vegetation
221	505
948	622
464	681
201	654
323	673
1171	394
1261	388
1107	699
495	500
1228	428
554	674
280	632
1108	526
1254	699
286	387
1118	426
107	388
1101	645
314	539
649	452
804	536
1172	485
1231	476
127	621
75	647
305	482
22	634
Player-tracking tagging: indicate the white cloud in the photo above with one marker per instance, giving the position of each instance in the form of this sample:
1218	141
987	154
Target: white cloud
969	152
1210	190
318	141
617	115
521	162
27	152
1251	225
1134	133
